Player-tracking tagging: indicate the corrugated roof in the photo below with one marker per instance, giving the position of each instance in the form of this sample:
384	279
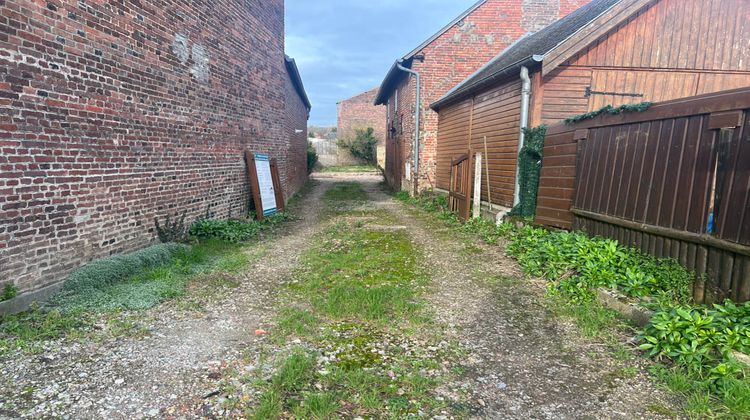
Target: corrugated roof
529	51
394	75
291	68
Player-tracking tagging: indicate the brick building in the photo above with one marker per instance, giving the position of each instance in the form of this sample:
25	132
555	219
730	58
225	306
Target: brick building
358	112
114	113
297	113
444	60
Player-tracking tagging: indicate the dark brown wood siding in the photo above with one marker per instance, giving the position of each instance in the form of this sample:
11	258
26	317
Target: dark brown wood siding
557	180
493	115
453	138
653	179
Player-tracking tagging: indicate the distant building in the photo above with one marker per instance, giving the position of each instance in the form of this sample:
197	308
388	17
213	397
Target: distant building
359	113
445	59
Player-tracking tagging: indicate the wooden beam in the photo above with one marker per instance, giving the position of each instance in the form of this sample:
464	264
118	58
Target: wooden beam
277	188
731	100
695	238
731	119
537	99
477	186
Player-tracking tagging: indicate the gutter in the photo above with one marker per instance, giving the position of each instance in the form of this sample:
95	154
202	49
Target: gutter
415	149
505	73
525	95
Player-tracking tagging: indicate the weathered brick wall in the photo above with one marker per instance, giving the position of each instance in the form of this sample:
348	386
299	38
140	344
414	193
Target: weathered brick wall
297	115
457	54
401	118
359	112
113	113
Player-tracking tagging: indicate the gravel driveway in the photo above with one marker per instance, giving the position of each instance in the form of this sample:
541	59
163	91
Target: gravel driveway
521	361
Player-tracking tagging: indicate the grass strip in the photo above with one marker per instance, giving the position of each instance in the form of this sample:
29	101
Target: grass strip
368	348
349	169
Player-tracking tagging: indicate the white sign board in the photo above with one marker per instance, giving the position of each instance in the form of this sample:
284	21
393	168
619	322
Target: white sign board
265	184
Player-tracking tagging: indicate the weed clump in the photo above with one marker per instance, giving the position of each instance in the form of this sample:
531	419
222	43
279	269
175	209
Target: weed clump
234	230
700	339
9	292
578	265
172	230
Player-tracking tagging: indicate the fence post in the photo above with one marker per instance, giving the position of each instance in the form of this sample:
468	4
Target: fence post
477	186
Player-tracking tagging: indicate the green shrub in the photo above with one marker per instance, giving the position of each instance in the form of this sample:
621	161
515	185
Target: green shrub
362	146
112	270
234	230
9	292
312	156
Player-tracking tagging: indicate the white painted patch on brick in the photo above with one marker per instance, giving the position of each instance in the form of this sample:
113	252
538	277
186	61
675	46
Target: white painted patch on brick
200	69
537	14
180	48
81	218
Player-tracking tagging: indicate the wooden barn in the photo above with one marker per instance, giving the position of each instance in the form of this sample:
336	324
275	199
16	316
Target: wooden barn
609	52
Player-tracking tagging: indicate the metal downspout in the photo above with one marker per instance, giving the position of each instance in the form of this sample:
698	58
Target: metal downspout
525	95
416	124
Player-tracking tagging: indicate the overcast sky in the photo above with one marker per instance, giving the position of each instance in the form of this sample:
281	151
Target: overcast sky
344	47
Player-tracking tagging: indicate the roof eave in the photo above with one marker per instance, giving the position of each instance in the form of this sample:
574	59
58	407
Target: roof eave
444	29
497	77
294	75
394	72
390	82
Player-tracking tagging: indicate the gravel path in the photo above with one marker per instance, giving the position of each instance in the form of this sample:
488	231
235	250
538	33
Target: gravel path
522	362
178	363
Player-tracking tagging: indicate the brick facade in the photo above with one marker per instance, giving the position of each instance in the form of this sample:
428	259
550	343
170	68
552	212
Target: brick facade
358	112
448	60
297	113
114	113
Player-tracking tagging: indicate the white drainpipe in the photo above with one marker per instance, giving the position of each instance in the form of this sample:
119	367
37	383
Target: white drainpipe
525	95
416	124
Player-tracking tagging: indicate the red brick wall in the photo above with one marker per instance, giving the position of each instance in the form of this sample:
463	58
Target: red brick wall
359	112
296	119
457	54
113	113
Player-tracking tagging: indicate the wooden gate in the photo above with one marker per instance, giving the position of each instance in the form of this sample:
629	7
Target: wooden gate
393	162
459	194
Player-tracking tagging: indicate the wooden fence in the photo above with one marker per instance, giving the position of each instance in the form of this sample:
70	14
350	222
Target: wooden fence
673	181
